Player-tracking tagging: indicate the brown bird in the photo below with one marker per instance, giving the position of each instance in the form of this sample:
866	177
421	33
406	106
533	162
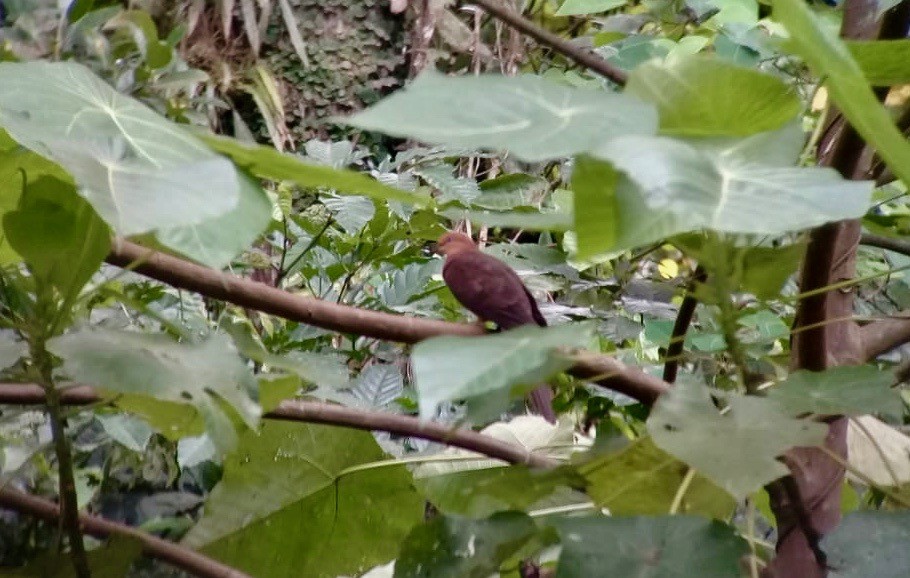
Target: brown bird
493	291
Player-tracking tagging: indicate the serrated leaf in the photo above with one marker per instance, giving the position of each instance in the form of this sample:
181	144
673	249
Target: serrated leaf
665	547
450	187
485	370
352	213
643	479
290	472
869	544
737	451
454	547
850	390
701	96
829	57
268	163
139	171
532	117
156	366
379	384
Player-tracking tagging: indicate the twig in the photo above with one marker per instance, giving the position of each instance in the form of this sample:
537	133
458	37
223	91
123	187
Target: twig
328	414
582	56
896	245
681	326
178	556
352	320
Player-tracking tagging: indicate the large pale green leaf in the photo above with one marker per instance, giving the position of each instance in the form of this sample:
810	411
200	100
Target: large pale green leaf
701	96
139	171
11	351
869	544
745	185
285	507
131	432
736	451
532	117
486	370
58	234
111	560
644	547
454	547
552	220
596	207
268	163
853	390
155	366
829	57
883	62
216	241
643	479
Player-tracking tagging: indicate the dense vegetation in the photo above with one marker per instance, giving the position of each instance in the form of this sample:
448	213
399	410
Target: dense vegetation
226	345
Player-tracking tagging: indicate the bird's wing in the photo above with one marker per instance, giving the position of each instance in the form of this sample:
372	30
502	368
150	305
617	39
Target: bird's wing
491	290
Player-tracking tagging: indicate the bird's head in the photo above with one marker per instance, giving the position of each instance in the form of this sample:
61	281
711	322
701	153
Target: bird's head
452	243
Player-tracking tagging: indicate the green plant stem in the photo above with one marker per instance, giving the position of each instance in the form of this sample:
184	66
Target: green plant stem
69	509
720	282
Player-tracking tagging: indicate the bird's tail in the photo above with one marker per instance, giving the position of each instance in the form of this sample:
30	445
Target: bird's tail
542	402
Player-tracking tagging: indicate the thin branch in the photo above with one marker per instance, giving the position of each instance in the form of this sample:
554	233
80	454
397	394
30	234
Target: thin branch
582	56
328	414
175	555
896	245
884	335
681	326
346	319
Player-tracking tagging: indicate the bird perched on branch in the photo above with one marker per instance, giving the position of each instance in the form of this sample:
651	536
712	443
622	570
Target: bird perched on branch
493	291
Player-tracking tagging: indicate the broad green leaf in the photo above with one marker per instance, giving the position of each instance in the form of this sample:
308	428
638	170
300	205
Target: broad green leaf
11	351
132	433
883	62
157	54
701	96
851	390
174	420
580	7
766	269
267	163
484	491
648	547
352	213
736	451
58	234
829	57
287	506
139	171
111	560
532	117
454	547
197	374
486	370
216	241
379	384
729	185
762	327
868	544
194	450
643	479
510	191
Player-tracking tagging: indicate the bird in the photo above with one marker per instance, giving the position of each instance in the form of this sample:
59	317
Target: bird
493	291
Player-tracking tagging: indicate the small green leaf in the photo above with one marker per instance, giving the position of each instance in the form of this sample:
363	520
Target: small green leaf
829	57
485	370
451	547
869	544
530	116
130	432
737	451
654	547
58	234
267	163
290	472
511	191
554	220
701	96
596	209
851	390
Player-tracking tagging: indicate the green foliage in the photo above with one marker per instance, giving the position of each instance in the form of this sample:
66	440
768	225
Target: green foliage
855	390
869	543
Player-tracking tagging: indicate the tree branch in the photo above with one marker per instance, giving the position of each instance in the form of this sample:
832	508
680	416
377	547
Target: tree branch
182	274
175	555
884	335
896	245
328	414
681	326
582	56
